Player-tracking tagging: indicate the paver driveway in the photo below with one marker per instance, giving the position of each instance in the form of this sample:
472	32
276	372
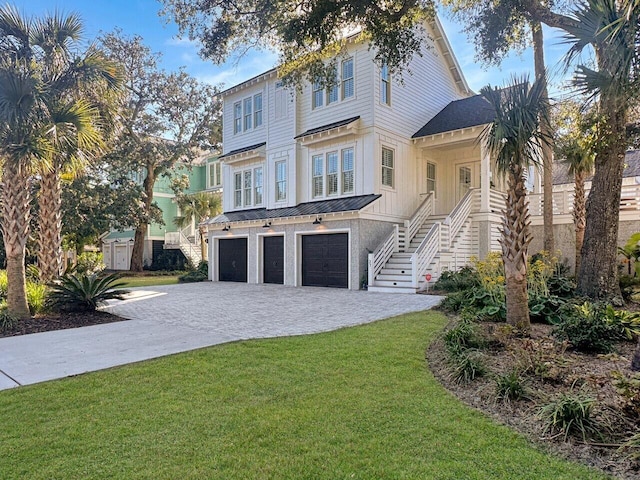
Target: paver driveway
176	318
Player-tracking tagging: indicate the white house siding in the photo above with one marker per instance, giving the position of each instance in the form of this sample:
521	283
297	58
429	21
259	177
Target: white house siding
426	88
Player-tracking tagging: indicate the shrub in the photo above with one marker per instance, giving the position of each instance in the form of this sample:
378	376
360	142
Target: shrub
7	321
455	301
203	267
560	284
586	329
195	276
36	297
81	292
570	414
90	262
510	386
4	283
464	279
627	324
545	309
467	366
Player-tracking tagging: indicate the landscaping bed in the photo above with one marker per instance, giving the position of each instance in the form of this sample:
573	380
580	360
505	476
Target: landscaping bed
47	322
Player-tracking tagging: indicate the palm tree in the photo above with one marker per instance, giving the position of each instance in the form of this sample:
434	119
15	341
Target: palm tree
41	121
514	139
612	28
198	207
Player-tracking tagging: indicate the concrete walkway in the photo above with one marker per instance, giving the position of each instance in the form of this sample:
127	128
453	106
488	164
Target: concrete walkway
177	318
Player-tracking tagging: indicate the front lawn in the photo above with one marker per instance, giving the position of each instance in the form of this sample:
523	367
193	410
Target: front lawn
358	403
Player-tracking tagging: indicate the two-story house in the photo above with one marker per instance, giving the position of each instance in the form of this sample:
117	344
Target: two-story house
356	183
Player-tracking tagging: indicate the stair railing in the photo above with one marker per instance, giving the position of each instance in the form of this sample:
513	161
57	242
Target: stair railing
379	258
459	215
424	254
413	225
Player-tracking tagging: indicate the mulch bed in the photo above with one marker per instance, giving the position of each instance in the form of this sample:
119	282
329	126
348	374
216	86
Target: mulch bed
60	321
564	371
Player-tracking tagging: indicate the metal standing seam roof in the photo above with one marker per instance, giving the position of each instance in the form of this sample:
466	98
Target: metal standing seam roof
336	205
242	150
329	126
459	114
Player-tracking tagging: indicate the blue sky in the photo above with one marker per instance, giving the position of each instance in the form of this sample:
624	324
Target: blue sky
141	17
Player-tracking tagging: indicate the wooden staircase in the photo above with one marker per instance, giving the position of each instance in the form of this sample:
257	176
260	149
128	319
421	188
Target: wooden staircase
398	267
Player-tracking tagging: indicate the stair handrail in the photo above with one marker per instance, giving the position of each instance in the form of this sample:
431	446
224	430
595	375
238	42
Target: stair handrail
459	214
417	220
424	254
381	255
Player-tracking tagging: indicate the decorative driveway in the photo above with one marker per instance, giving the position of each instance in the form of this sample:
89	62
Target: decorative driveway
175	318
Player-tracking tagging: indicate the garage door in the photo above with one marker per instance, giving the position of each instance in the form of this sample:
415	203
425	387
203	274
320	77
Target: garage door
325	260
122	257
273	265
232	259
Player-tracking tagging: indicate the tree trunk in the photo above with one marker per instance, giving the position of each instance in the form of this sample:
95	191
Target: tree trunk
203	245
50	226
599	267
547	148
15	198
141	231
579	215
515	242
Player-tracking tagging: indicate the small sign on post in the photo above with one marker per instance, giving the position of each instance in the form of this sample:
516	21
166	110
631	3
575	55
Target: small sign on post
427	277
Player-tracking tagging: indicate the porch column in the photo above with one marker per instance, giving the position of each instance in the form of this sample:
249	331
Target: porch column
485	179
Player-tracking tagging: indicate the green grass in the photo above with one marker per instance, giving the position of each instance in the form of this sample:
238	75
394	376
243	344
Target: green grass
150	281
358	403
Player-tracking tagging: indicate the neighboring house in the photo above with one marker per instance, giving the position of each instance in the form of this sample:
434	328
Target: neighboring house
204	175
563	187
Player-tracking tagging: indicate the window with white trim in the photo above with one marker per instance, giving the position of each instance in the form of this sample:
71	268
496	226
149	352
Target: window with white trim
431	177
317	175
385	85
347	170
257	110
248	188
281	181
248	117
347	78
215	174
318	95
332	173
257	186
387	167
237	117
332	91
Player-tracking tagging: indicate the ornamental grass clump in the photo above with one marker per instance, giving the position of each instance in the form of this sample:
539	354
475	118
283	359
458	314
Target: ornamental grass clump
510	386
570	414
77	292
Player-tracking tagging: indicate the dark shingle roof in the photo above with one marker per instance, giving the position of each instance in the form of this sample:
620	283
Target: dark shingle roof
242	150
465	113
348	204
632	169
329	126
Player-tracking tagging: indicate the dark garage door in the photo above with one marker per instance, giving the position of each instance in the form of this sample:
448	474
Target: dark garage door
232	259
325	260
273	260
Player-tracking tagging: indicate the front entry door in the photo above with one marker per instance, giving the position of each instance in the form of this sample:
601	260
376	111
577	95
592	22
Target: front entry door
465	180
273	260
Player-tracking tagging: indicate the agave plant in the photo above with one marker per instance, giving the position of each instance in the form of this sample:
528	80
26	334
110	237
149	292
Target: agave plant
84	293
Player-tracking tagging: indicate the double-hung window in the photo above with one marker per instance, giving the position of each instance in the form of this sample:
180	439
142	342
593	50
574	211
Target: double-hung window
385	85
347	78
257	110
248	117
215	175
318	94
332	173
247	187
237	117
317	175
347	170
237	190
281	181
431	177
257	186
387	167
332	91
